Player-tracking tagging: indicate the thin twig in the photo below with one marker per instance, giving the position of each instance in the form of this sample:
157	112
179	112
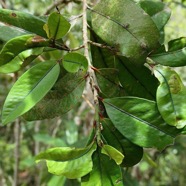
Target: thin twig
101	45
17	132
77	48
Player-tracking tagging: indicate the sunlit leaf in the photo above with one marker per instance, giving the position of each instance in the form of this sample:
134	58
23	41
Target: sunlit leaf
22	43
115	23
140	121
22	60
74	62
23	20
113	153
57	26
65	94
30	88
70	162
171	96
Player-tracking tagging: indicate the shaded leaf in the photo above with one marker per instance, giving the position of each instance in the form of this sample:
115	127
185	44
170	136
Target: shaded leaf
116	24
140	121
175	56
9	51
10	31
105	172
112	136
57	26
74	62
23	20
20	61
63	97
113	153
171	96
70	162
158	11
30	88
108	80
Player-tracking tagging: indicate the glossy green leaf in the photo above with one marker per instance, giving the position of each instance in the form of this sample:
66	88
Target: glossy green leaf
158	11
107	79
23	20
113	137
74	62
115	23
9	51
69	162
10	31
113	153
65	94
175	56
105	172
140	121
57	26
171	96
20	61
30	88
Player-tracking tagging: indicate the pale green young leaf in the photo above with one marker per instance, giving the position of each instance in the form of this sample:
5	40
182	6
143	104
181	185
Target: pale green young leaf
70	162
113	153
30	88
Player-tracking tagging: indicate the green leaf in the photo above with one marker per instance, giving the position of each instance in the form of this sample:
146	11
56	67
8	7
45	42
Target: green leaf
57	26
140	121
115	23
9	51
74	62
136	80
113	137
23	20
158	11
107	79
70	162
10	31
113	153
105	172
175	56
20	61
171	96
65	94
30	88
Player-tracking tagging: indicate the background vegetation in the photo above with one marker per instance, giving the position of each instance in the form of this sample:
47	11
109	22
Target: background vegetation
20	142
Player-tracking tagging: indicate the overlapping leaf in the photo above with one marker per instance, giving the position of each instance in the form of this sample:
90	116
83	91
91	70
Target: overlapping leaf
22	43
23	20
22	60
63	97
70	162
30	88
140	121
112	136
105	172
171	96
175	56
158	11
108	80
57	26
115	23
74	62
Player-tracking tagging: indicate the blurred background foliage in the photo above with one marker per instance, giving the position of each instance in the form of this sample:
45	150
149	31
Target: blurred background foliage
21	141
